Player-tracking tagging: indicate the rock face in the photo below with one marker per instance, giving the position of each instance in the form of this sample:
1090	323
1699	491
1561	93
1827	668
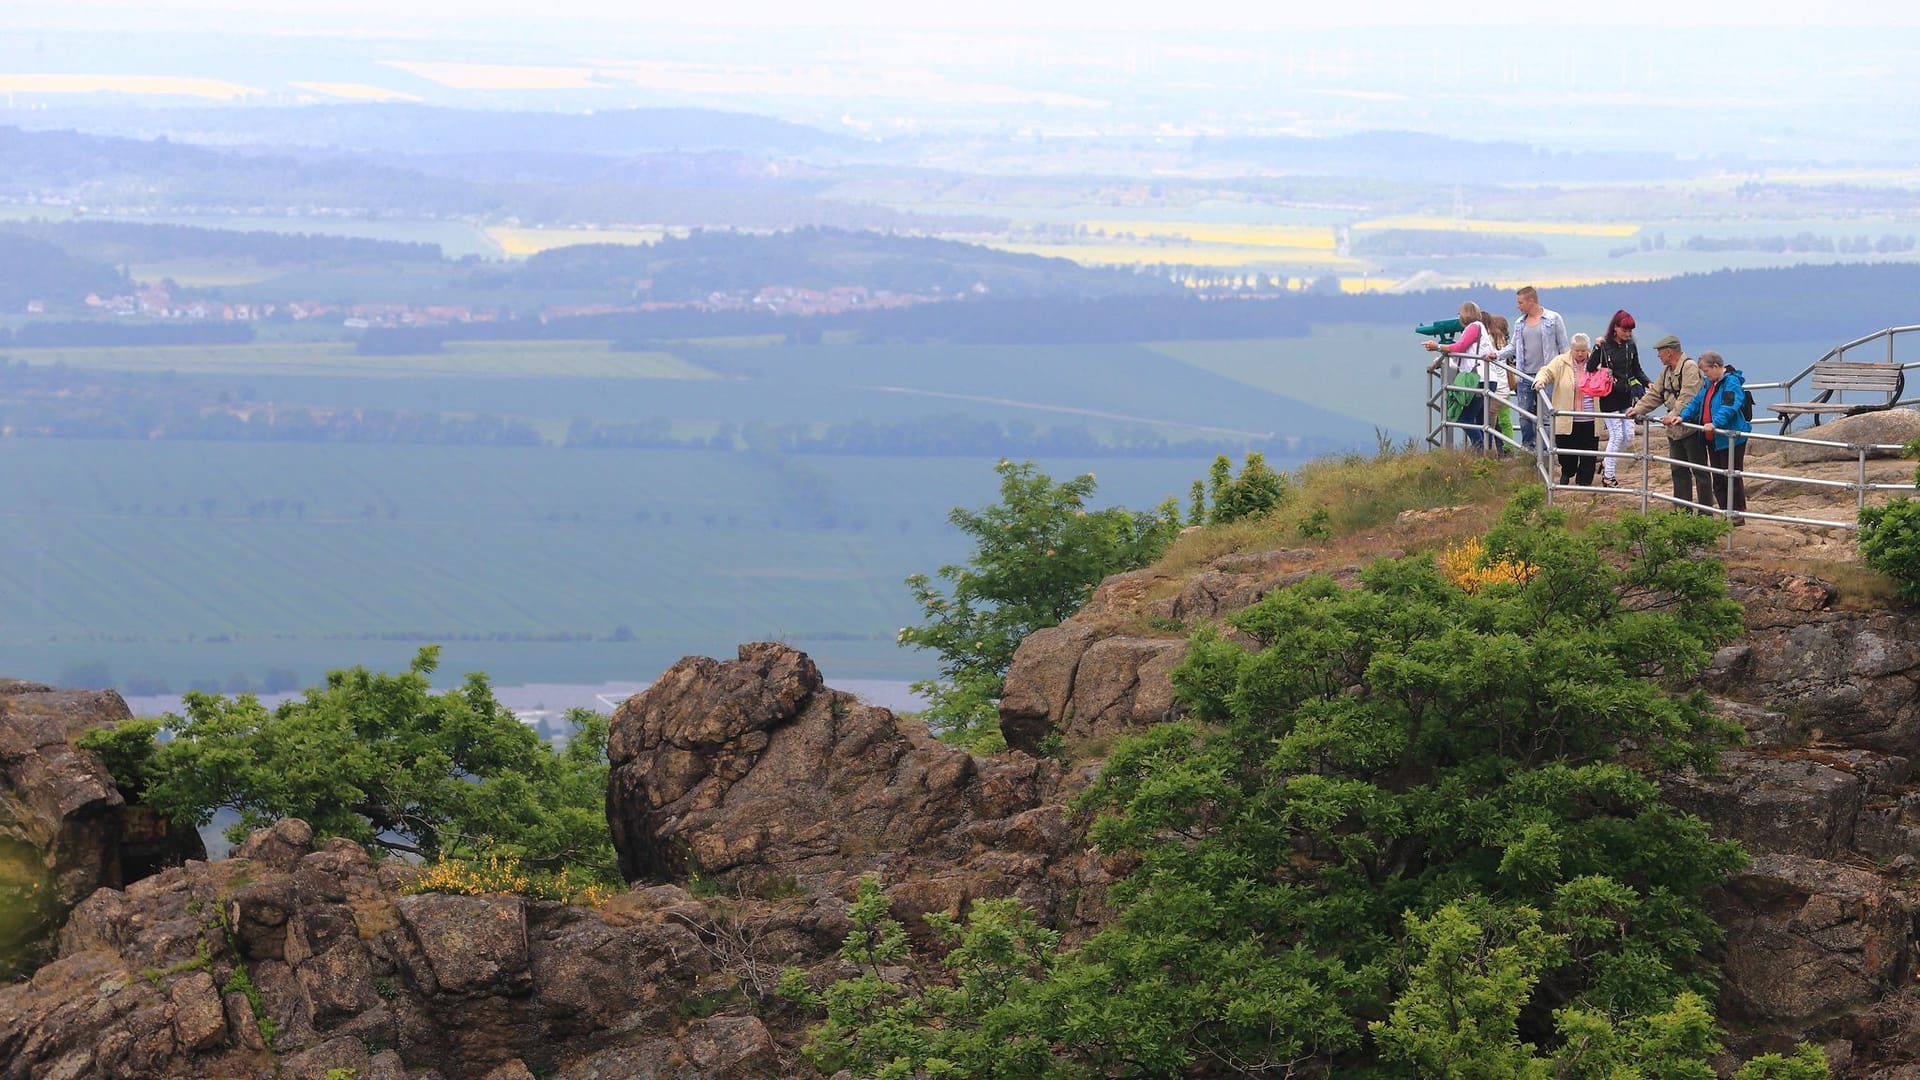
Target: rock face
1849	677
65	829
1084	684
286	961
752	772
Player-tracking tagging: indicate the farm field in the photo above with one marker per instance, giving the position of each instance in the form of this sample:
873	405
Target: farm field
516	242
190	561
549	359
1100	387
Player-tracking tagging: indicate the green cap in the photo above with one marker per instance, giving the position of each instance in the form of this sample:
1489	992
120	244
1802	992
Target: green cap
1668	342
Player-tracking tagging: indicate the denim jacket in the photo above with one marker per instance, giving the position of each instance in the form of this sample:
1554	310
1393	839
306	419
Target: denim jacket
1553	334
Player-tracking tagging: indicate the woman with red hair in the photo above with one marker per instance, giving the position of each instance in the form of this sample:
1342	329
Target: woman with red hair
1618	352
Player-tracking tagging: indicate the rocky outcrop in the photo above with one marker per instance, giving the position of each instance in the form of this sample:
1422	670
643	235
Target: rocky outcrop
1886	427
1809	941
752	772
286	961
1083	683
65	828
1846	677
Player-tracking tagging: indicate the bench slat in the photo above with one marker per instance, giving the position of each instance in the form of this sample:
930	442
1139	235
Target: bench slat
1878	381
1798	408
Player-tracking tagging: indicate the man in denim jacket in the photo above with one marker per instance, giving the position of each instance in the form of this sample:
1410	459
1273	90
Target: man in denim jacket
1538	337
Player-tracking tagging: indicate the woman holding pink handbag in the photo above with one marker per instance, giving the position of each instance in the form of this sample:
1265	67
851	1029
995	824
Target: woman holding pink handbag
1574	380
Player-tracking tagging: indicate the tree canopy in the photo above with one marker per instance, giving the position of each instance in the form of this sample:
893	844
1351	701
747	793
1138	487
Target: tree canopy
383	760
1415	832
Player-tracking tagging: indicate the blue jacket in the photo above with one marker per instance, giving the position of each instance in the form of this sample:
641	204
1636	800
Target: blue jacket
1730	424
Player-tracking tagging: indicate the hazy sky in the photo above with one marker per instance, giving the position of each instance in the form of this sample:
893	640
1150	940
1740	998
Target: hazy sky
375	15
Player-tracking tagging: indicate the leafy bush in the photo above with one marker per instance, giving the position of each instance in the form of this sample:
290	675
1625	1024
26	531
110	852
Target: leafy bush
383	760
1890	543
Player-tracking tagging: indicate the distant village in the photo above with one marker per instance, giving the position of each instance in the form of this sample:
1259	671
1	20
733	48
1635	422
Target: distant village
160	302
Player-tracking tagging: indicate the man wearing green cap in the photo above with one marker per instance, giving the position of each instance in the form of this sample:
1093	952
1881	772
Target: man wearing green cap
1677	383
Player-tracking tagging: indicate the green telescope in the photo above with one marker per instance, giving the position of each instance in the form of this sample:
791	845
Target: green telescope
1442	330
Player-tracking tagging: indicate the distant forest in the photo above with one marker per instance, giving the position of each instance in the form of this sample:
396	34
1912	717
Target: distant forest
709	261
127	241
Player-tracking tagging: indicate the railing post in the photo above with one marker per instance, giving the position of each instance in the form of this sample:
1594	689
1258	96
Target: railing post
1646	466
1543	441
1862	501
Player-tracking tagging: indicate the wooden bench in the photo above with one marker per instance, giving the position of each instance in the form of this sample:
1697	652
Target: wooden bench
1880	382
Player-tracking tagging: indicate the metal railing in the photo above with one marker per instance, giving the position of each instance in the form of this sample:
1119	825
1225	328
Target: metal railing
1445	433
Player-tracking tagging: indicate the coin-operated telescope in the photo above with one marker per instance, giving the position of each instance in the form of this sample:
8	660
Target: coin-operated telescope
1442	331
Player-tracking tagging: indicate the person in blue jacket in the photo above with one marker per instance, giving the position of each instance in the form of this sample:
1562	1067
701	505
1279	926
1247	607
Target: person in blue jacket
1718	406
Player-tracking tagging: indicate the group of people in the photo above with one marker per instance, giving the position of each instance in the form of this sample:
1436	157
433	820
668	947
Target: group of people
1601	384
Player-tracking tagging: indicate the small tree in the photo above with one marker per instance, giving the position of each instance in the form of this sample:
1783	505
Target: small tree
1257	490
384	760
1038	553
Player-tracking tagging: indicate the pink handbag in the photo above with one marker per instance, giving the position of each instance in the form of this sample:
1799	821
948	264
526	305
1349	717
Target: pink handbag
1597	383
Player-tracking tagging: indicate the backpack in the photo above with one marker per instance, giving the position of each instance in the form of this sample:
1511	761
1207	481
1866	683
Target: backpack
1746	406
1597	383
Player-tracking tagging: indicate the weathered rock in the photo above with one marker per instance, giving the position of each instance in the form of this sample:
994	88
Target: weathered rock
1846	677
1886	427
730	1046
1122	597
279	846
472	944
1232	582
749	767
462	985
1799	805
1121	684
345	1054
1039	683
199	1019
1808	940
64	826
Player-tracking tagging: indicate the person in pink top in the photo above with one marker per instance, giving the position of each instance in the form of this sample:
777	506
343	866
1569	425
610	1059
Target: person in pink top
1466	355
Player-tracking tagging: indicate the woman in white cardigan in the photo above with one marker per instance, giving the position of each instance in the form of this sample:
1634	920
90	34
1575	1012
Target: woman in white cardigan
1570	433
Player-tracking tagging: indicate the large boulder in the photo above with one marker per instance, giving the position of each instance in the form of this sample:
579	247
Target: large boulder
753	772
65	827
1883	428
1809	941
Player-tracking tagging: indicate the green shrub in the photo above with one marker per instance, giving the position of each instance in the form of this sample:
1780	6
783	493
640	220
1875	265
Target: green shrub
1890	543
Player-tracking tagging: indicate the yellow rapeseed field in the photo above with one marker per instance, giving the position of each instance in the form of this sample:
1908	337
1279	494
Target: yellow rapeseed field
522	242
